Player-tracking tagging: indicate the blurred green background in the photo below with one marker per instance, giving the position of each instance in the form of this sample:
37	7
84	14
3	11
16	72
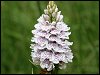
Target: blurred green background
18	19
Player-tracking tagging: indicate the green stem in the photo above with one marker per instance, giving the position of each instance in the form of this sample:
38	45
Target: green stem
55	71
51	18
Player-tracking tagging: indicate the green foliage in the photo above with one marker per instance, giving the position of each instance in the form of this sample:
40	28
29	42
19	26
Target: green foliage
18	19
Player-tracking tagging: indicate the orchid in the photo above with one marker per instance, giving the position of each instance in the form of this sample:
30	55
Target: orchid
50	42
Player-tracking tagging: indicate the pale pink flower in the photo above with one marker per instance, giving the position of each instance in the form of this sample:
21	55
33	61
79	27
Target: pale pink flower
51	45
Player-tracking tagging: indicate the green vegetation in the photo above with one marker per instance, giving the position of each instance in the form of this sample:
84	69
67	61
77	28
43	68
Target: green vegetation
18	19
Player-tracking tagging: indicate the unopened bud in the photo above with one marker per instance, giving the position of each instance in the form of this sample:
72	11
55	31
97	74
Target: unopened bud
46	11
50	10
51	3
56	9
61	18
46	17
58	16
49	6
54	14
53	8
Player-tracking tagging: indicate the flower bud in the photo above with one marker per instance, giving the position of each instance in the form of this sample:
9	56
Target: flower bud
46	17
53	14
58	16
50	10
49	6
53	8
61	18
56	9
46	11
51	3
